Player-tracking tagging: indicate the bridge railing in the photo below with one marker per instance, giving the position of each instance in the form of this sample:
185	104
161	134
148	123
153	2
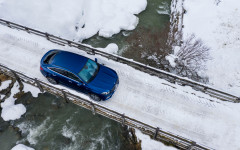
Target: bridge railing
139	66
155	132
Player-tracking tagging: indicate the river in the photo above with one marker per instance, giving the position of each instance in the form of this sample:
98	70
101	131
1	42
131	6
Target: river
52	124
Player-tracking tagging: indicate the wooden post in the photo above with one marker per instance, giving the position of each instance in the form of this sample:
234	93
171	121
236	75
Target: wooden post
65	96
205	89
191	147
93	109
47	36
238	100
39	85
69	43
16	76
8	24
123	120
156	133
27	29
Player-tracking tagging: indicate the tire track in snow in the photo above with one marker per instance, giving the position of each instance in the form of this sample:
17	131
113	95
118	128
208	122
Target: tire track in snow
164	112
161	88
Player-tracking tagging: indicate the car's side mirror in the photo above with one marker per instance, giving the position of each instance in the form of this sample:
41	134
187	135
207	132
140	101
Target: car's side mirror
96	60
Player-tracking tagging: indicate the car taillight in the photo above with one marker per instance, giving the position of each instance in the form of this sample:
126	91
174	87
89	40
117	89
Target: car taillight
41	68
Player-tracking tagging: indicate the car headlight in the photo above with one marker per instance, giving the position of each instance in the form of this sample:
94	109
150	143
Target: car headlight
105	93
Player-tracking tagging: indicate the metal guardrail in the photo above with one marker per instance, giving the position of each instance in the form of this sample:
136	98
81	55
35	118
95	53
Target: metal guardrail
155	132
139	66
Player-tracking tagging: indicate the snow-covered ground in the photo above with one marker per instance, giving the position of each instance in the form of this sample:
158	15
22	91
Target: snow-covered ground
21	147
10	110
149	99
148	144
217	23
75	19
5	84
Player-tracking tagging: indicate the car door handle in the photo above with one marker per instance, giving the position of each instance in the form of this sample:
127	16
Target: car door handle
70	81
54	75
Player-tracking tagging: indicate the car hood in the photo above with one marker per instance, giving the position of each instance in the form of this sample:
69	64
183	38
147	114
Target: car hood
105	79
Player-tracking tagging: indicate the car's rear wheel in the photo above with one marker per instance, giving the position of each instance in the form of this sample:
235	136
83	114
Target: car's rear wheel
51	80
95	97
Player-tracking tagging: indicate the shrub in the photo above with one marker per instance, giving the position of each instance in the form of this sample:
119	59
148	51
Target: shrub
192	54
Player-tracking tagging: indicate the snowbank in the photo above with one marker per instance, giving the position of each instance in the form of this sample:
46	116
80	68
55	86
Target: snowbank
111	48
21	147
34	90
79	19
13	112
171	58
5	84
218	25
10	111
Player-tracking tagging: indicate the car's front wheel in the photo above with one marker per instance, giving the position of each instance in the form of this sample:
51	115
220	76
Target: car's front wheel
51	80
95	97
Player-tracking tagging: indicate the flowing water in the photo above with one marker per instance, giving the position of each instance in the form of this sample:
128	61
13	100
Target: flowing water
52	124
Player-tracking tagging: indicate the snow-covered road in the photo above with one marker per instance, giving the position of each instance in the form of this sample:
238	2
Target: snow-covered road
154	101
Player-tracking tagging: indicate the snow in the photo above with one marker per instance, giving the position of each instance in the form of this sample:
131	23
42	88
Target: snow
218	25
171	58
13	112
149	144
111	48
80	19
21	147
34	90
147	98
10	111
5	84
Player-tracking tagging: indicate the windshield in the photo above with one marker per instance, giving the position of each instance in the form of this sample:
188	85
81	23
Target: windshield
89	71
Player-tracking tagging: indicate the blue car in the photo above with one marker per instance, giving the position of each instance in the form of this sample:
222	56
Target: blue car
79	73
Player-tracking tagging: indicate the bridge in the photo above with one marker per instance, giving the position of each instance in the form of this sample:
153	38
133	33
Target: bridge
147	98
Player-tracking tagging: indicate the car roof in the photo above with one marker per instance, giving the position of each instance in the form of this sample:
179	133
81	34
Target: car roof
72	62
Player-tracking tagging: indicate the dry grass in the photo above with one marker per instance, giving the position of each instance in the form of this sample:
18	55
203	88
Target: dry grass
4	77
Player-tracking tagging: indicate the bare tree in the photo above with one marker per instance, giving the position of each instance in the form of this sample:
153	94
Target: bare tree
193	54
